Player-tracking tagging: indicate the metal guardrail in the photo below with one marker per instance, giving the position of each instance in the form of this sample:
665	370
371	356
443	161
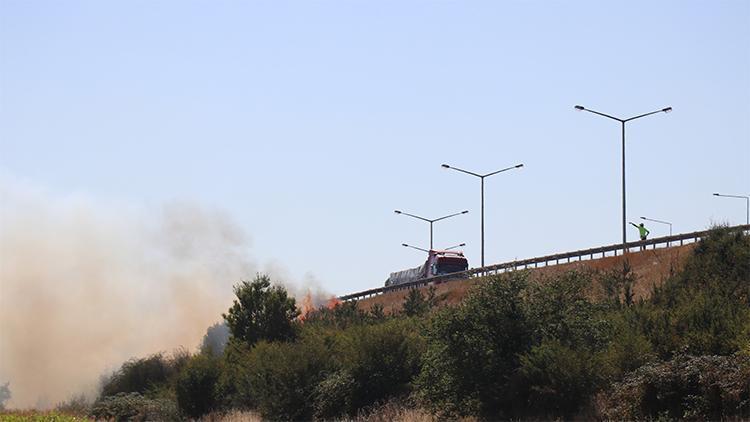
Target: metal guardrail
587	254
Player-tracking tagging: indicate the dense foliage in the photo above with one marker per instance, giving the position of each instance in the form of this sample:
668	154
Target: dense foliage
261	312
685	387
572	345
145	375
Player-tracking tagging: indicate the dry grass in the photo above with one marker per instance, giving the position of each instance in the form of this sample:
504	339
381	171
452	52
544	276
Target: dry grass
233	416
651	267
399	412
395	412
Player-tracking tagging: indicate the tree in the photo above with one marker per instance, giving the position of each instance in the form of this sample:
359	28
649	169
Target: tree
415	303
261	312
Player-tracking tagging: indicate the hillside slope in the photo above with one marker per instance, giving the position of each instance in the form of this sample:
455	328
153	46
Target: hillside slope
650	267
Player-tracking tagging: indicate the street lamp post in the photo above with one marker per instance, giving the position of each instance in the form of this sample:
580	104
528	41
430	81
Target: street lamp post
482	177
746	198
414	247
430	221
662	222
460	245
623	121
425	250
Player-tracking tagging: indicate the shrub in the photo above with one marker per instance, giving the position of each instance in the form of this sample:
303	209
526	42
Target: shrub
629	348
558	309
282	377
377	313
197	386
145	374
77	405
134	407
341	316
233	380
415	303
704	309
687	387
382	359
557	379
333	396
617	285
473	350
261	312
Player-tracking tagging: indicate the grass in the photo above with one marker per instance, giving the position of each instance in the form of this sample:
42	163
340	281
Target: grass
232	416
39	416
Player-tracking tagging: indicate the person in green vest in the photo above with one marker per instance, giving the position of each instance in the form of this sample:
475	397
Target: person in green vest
643	231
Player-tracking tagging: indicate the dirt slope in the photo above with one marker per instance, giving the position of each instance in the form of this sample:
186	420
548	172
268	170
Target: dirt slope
651	267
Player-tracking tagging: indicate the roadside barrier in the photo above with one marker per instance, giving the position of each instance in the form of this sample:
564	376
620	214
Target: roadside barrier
544	261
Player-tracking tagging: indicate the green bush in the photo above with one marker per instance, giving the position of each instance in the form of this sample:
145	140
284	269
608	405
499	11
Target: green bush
557	309
197	386
234	383
558	380
261	312
416	303
629	347
334	395
341	316
687	387
382	359
473	350
134	407
145	375
705	308
517	349
282	377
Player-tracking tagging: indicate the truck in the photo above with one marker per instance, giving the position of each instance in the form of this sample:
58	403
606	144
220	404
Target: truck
439	262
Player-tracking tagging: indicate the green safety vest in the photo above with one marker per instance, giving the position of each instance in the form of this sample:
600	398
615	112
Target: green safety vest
643	231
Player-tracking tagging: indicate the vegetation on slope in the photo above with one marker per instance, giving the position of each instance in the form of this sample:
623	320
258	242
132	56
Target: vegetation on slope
513	349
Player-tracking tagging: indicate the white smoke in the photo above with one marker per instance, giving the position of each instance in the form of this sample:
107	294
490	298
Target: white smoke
86	285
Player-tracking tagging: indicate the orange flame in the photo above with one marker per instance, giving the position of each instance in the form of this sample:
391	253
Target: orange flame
307	306
333	302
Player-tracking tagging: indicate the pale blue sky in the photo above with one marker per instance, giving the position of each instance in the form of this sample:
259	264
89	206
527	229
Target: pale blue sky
309	122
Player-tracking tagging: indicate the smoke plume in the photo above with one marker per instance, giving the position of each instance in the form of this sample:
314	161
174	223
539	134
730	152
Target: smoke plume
86	285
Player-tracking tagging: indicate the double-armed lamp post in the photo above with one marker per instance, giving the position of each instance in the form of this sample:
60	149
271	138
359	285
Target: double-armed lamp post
425	250
482	177
746	198
623	121
430	221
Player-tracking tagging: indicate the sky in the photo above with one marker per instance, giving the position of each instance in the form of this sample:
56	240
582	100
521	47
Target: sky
309	122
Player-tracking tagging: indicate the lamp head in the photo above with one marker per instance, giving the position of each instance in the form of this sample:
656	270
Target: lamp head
579	108
445	166
465	212
716	194
397	211
667	110
519	166
643	218
463	244
404	244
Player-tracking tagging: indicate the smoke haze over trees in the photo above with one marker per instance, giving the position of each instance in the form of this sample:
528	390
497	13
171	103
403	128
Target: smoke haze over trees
86	284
